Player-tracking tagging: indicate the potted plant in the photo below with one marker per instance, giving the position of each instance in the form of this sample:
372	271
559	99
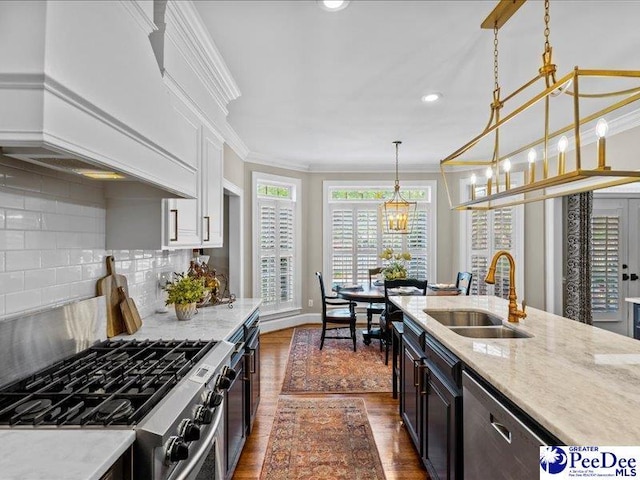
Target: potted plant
184	293
396	264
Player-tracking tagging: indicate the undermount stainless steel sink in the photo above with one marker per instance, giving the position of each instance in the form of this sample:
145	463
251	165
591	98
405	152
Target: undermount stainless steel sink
464	318
489	332
475	324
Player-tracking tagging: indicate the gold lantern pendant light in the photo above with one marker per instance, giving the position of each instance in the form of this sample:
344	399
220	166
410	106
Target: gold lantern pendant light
398	213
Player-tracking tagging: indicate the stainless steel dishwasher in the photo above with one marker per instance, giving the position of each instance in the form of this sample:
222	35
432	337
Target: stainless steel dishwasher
497	444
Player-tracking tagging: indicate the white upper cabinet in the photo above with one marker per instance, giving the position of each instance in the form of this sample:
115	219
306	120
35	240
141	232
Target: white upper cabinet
212	200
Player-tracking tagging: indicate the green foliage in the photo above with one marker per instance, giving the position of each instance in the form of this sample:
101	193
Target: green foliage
184	289
396	266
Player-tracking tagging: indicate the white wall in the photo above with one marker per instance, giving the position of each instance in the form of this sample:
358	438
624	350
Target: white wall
52	238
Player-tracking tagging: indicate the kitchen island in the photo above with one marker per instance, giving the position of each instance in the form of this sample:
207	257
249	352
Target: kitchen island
580	383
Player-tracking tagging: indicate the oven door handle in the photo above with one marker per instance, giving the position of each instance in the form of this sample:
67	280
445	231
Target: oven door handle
187	469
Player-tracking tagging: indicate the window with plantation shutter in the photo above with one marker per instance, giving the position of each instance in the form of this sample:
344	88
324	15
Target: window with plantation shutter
276	217
489	231
354	238
605	261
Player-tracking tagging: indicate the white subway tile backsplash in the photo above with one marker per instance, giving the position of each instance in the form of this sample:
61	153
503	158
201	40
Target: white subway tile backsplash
22	301
22	180
11	282
11	240
93	271
55	294
23	220
78	257
44	277
84	289
69	274
55	258
52	244
39	204
22	260
55	187
11	198
39	240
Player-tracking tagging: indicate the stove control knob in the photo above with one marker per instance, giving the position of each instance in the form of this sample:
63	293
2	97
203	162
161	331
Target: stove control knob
223	383
230	373
204	415
176	450
189	431
213	399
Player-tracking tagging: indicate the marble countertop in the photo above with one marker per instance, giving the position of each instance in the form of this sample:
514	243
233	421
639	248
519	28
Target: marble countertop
581	383
210	323
632	299
61	454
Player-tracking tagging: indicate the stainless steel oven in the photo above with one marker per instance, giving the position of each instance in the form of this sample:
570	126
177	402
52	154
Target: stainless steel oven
172	393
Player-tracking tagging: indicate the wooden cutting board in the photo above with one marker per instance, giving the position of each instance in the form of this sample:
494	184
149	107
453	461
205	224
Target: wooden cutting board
108	286
130	314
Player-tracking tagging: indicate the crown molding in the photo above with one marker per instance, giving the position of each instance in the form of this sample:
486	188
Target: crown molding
235	142
137	11
262	159
335	167
194	42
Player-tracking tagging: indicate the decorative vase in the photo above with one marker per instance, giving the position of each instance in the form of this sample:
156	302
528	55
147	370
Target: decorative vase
184	311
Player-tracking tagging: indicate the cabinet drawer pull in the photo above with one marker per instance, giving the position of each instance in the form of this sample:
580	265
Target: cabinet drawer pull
207	219
501	429
174	212
252	361
425	390
416	380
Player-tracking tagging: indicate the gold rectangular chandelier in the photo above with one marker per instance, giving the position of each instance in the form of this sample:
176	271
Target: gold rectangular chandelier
552	143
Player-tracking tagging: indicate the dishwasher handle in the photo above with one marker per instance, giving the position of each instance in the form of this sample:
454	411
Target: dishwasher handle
500	428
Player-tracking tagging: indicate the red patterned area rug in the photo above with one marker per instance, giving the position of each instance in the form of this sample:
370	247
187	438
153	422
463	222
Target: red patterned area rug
336	368
319	439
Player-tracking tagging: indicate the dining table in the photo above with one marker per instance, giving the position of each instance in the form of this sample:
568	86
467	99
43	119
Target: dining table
374	294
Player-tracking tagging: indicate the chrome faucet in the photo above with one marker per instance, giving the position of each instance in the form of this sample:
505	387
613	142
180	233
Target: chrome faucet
514	314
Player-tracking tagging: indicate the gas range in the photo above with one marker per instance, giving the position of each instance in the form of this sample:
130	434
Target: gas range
170	392
113	383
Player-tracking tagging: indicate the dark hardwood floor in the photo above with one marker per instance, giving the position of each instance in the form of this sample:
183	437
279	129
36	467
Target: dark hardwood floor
399	458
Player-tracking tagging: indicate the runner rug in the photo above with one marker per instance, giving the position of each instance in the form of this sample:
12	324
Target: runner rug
321	438
336	368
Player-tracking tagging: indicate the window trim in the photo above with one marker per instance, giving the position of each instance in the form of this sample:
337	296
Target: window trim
327	185
296	198
465	235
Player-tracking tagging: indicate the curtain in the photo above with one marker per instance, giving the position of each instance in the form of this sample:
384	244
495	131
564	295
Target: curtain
577	304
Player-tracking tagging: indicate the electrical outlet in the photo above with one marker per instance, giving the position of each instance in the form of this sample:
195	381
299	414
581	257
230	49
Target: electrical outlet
164	278
311	302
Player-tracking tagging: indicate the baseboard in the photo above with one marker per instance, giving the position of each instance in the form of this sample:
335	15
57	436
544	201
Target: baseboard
276	324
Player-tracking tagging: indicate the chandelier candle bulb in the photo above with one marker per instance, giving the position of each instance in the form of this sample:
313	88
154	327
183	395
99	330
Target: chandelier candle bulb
489	176
506	166
532	155
473	186
602	127
563	143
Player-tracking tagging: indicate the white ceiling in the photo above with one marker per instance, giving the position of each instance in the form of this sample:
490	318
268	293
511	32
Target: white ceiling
332	91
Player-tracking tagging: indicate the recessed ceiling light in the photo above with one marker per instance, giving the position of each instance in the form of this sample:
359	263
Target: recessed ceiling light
431	97
333	5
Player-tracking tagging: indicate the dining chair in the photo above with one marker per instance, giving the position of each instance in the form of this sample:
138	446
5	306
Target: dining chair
393	313
336	318
373	308
463	282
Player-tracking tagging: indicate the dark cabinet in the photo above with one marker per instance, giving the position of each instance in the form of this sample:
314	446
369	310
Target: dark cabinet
410	396
442	440
431	402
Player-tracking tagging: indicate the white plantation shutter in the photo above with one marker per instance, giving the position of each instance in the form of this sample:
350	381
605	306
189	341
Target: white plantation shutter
490	231
276	231
356	239
605	261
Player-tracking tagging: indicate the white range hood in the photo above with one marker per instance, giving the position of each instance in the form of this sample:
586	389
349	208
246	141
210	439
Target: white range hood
80	88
